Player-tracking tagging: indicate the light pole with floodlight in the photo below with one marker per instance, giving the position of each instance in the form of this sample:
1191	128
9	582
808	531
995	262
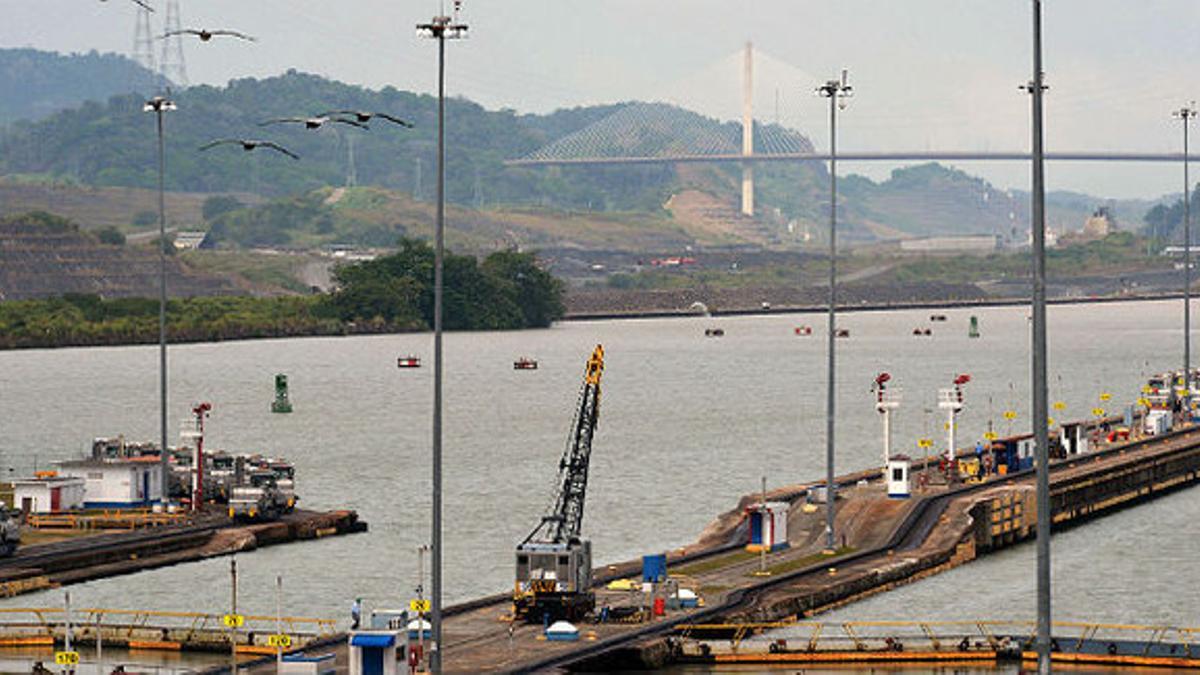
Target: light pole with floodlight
441	28
837	91
1186	114
159	105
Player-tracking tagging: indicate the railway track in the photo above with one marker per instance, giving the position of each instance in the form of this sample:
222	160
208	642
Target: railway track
908	534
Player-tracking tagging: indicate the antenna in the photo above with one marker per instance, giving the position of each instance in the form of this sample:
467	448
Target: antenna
143	49
174	70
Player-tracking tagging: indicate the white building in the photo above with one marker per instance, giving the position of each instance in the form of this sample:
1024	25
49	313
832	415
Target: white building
117	483
48	494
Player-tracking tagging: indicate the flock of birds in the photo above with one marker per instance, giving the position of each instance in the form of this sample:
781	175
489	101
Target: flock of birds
354	118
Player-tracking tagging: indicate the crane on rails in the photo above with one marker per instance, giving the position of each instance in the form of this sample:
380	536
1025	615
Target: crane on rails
554	564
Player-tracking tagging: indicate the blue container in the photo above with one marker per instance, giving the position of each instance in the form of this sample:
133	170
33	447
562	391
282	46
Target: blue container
654	568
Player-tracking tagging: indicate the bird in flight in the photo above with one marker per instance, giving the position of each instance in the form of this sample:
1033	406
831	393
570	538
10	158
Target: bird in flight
313	122
206	35
139	3
249	145
364	117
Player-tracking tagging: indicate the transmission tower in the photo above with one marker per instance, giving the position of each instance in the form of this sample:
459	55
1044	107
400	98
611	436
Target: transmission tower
143	52
174	70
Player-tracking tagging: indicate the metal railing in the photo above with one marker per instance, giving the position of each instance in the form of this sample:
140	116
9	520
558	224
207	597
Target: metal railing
938	636
123	624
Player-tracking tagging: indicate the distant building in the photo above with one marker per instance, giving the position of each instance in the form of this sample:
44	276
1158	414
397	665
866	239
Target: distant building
135	481
48	494
191	241
1101	224
977	243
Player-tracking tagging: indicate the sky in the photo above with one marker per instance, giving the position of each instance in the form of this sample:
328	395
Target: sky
928	74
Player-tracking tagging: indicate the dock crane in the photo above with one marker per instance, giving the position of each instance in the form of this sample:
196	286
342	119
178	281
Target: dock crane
554	565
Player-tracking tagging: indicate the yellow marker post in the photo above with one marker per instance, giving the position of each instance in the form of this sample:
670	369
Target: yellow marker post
66	658
279	640
1105	396
420	606
924	443
1098	412
1010	414
233	620
1059	405
991	436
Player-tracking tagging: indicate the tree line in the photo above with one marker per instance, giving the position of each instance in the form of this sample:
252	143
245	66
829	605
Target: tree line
507	290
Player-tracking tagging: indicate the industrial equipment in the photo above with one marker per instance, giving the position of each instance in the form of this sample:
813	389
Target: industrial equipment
10	532
554	565
259	499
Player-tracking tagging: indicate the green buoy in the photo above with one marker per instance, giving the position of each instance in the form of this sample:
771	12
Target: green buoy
974	331
281	404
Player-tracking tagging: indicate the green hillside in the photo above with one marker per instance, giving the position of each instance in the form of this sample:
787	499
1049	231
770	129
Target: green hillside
35	84
112	144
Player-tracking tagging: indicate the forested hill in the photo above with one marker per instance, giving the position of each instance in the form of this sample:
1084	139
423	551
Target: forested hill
113	143
35	84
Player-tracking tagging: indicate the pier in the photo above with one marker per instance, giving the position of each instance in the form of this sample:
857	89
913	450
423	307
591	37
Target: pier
888	542
94	556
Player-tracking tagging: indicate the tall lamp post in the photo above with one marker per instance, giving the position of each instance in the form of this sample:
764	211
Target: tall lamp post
159	105
441	28
1186	114
837	91
1041	412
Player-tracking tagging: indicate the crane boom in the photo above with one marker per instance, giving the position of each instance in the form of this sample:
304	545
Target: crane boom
565	522
554	564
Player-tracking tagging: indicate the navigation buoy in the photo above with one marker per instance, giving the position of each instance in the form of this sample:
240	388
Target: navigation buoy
281	404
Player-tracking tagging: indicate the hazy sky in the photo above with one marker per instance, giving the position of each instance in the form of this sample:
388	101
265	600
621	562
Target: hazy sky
929	74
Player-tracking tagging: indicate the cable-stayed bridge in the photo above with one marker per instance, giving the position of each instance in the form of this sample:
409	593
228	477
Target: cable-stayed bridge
660	133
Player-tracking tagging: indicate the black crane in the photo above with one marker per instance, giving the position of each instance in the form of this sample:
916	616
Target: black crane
554	564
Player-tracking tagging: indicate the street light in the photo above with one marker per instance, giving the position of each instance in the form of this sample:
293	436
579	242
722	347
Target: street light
159	105
837	91
441	28
1186	114
1041	412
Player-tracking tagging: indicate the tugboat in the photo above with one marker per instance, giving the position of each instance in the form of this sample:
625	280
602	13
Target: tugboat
409	361
525	363
922	331
842	333
714	332
937	317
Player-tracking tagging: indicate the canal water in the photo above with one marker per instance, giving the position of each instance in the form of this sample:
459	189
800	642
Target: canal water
688	424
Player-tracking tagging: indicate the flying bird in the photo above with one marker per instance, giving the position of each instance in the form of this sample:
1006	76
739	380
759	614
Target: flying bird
313	122
139	3
364	117
206	35
249	145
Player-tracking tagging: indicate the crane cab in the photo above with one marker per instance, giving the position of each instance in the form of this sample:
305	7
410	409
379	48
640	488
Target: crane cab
553	581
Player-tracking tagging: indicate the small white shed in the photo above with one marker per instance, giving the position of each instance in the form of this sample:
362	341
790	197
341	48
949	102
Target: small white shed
898	484
768	526
373	652
48	494
117	483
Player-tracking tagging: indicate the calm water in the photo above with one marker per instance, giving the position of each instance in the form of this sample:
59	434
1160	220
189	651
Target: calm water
688	424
